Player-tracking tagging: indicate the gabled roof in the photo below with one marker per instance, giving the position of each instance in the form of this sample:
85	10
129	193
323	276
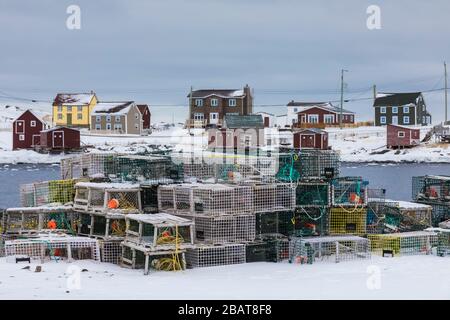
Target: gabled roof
142	108
402	127
58	128
112	107
314	130
223	93
293	103
73	98
248	121
30	111
328	107
396	99
263	112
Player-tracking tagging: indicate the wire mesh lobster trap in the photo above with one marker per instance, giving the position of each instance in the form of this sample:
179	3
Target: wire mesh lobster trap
139	257
271	197
91	165
224	229
47	192
107	226
203	255
431	188
440	211
349	191
159	231
443	248
275	223
347	221
107	197
405	243
54	247
270	248
33	220
332	248
205	199
110	251
311	221
313	194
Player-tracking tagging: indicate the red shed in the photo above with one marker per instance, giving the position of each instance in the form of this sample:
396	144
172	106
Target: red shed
60	138
401	137
26	129
146	114
311	139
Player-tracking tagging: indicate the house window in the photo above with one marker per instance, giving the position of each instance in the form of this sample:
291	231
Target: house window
22	137
406	120
295	110
59	116
136	115
214	102
198	116
383	120
33	123
136	126
108	118
401	134
117	119
351	118
98	119
69	108
79	116
59	108
80	108
108	126
405	109
117	126
232	102
313	118
199	102
98	127
328	118
394	109
382	109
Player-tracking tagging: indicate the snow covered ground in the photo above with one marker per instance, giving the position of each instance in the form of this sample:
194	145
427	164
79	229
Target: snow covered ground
414	277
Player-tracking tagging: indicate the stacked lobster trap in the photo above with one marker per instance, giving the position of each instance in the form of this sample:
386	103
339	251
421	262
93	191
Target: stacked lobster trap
433	191
404	243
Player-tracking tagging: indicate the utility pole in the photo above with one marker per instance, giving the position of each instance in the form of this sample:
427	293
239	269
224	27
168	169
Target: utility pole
445	90
374	92
190	112
342	97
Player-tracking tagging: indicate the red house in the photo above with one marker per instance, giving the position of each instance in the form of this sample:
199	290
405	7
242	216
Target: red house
310	139
60	139
323	114
26	130
146	115
401	137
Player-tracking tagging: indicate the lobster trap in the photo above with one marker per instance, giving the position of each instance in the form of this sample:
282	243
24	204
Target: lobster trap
405	243
333	248
149	198
224	229
443	248
431	188
139	257
313	194
311	221
273	197
348	221
349	191
107	197
47	192
440	211
275	223
110	250
205	199
54	247
107	226
268	249
203	255
33	220
159	231
91	165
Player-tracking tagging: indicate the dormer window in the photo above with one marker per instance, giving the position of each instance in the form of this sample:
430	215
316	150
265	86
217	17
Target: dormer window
199	102
214	102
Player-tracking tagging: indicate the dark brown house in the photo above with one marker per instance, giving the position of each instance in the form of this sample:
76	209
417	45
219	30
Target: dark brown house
146	115
209	107
310	139
26	130
59	139
401	109
323	115
402	137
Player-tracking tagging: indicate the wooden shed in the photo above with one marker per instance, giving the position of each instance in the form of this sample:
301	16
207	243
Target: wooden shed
26	129
59	139
401	137
311	139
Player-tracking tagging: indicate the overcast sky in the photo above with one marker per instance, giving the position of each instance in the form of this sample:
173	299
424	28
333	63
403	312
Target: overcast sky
153	51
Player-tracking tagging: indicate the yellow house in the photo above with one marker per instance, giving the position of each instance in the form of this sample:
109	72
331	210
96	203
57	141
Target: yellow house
73	109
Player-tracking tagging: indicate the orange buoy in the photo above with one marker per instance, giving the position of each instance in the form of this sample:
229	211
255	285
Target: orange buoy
113	204
51	224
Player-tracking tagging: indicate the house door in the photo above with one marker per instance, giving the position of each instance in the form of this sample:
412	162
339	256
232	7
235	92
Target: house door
20	126
58	139
213	118
36	140
394	119
266	122
307	141
69	119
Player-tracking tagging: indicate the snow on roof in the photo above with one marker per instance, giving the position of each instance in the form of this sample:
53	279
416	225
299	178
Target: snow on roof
327	106
223	93
113	108
73	98
30	111
159	219
59	127
51	238
407	204
58	208
107	185
396	99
